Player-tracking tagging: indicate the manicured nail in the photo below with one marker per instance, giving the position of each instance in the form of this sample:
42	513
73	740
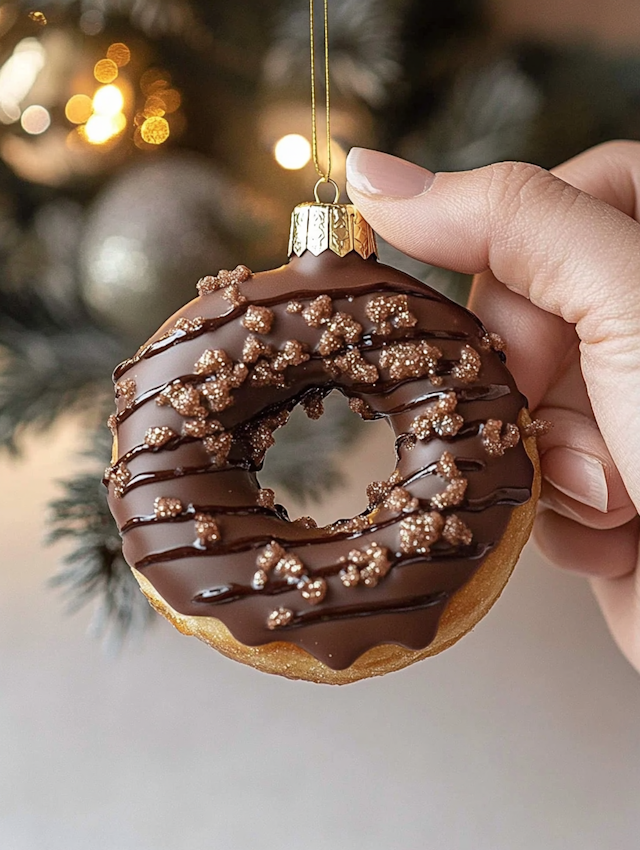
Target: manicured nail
376	173
578	475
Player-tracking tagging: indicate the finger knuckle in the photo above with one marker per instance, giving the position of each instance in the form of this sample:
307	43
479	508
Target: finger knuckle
512	184
617	149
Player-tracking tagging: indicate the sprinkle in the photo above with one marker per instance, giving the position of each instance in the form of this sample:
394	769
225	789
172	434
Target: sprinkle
342	328
295	307
265	374
349	526
207	530
212	361
189	325
200	427
261	435
537	428
497	438
367	565
455	531
259	580
290	568
468	367
412	360
184	398
120	476
126	390
279	618
233	295
313	590
313	405
167	506
292	353
439	419
218	447
401	501
318	312
456	488
419	532
305	522
158	436
354	365
359	406
270	556
254	348
266	498
208	284
377	491
258	319
493	342
112	424
394	307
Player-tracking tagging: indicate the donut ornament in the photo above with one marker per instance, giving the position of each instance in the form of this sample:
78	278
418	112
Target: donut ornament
196	410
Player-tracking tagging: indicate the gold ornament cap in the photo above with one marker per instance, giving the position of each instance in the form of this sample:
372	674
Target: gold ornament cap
318	227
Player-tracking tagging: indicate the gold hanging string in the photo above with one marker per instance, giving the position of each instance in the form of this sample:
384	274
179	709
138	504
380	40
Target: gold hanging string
325	176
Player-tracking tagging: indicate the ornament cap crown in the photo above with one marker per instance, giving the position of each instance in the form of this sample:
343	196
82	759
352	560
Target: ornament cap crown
318	227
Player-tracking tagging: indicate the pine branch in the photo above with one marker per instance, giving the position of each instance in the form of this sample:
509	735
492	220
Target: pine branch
54	358
95	570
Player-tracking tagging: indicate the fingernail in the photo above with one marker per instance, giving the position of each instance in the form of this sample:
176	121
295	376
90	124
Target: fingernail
578	475
376	173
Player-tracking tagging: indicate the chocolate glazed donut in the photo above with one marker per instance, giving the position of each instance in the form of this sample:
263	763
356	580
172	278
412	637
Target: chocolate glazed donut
196	410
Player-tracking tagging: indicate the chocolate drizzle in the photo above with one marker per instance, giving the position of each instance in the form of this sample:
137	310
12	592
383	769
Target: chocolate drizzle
454	492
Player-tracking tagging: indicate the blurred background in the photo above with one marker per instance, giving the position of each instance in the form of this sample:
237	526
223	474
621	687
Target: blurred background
143	144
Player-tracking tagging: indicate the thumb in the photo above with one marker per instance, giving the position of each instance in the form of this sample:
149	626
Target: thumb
568	253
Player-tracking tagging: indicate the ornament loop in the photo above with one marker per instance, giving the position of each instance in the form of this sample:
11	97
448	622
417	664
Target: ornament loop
336	189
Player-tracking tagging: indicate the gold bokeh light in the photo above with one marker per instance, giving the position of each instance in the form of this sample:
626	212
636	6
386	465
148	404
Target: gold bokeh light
105	71
292	151
119	53
35	120
108	100
155	130
78	108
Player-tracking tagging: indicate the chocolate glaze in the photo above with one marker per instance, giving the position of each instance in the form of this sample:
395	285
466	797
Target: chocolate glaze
216	580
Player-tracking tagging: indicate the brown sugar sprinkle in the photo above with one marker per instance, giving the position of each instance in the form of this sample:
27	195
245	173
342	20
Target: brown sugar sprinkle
354	365
305	522
439	419
266	498
292	353
184	399
212	283
233	295
218	447
313	591
158	436
359	406
261	435
453	494
112	424
455	531
493	342
318	312
279	618
342	328
290	568
258	319
259	580
412	360
295	307
207	530
119	475
217	394
401	501
378	491
126	390
468	367
254	348
189	325
497	438
365	565
264	374
418	532
395	308
537	428
212	361
200	427
270	555
349	526
167	506
313	405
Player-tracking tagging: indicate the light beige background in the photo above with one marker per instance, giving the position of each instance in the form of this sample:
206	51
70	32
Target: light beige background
525	736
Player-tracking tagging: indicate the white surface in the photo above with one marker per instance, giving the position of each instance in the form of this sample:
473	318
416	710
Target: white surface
525	736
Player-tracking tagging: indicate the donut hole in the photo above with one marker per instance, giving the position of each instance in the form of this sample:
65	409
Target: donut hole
321	468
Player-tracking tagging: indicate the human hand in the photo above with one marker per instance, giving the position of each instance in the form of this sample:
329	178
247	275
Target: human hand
557	262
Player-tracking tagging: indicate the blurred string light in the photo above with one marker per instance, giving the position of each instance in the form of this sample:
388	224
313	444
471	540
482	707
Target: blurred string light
17	76
161	99
35	120
105	71
292	151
